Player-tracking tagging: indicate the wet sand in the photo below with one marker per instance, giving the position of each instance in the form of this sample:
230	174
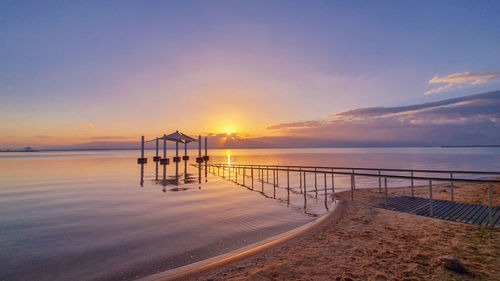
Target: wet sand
361	242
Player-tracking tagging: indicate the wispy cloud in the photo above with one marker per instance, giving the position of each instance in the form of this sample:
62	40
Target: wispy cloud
43	137
305	124
458	80
111	138
460	121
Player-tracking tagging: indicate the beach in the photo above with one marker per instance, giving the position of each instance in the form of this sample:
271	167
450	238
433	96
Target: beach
360	242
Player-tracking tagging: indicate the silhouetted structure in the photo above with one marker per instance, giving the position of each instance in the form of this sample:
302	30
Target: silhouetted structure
176	137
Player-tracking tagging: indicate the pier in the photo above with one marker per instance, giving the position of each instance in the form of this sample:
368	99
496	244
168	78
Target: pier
324	185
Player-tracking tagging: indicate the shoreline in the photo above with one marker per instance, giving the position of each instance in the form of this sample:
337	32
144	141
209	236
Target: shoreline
200	267
365	243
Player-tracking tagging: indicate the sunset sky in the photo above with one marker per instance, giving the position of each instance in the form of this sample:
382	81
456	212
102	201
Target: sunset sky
74	72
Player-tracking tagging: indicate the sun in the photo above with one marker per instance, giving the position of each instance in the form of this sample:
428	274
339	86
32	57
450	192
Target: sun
228	133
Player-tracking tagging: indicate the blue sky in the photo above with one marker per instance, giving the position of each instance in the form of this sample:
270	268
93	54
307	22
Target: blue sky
72	71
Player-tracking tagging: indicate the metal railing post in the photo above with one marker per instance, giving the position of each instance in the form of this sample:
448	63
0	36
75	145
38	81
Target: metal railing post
251	172
352	187
315	180
305	191
277	176
288	184
267	174
300	178
326	195
262	181
490	208
333	182
274	183
412	185
379	183
430	198
452	188
385	191
353	180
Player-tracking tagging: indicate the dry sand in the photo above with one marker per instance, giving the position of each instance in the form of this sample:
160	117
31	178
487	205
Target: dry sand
361	242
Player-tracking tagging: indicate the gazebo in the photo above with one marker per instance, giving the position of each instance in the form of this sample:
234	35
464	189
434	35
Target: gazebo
176	137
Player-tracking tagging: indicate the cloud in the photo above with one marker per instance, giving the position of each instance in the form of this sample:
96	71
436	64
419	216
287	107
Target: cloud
43	137
486	101
110	137
294	125
469	120
461	79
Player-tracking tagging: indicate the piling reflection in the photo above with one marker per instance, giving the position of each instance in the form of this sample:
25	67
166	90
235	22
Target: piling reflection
276	186
176	179
156	170
270	178
142	175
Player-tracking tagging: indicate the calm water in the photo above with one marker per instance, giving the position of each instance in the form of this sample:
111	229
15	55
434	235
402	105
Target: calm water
86	216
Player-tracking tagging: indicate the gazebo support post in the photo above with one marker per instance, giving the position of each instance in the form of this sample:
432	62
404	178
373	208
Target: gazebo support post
199	157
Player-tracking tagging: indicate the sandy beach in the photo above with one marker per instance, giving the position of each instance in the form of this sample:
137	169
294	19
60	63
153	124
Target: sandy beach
360	242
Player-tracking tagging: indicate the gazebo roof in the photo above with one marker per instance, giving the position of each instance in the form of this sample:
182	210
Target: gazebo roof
178	136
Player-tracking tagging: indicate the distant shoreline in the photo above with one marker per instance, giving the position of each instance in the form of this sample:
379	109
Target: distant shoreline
470	146
111	149
19	150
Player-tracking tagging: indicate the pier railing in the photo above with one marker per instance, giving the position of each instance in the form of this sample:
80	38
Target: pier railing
383	175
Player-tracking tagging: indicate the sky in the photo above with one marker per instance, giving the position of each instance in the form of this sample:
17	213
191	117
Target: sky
272	73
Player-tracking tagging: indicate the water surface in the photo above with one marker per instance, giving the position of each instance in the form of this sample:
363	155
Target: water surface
89	216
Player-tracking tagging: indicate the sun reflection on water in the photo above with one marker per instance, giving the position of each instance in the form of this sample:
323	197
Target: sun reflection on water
228	153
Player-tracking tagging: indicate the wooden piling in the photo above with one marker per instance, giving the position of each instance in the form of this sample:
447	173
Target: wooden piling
185	160
206	157
165	159
199	157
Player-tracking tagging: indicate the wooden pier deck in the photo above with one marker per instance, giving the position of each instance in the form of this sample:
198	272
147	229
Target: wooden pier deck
445	210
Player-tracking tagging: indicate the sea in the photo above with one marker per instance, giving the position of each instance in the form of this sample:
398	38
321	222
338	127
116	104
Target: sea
98	215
